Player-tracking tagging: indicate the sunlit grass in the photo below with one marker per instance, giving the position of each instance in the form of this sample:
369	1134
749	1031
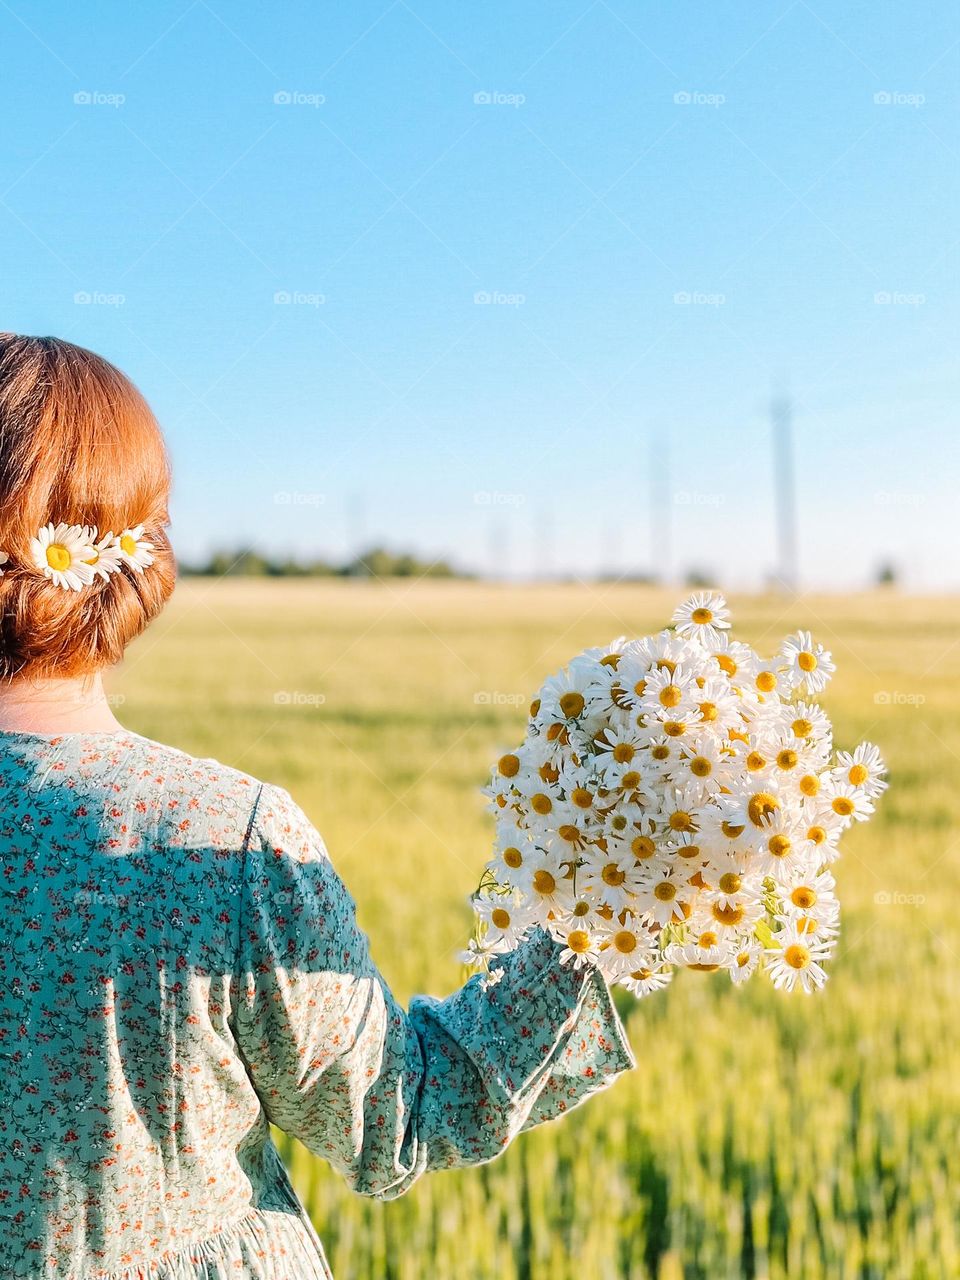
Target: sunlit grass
761	1135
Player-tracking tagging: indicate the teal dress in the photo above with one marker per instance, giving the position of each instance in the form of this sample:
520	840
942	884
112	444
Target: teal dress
180	964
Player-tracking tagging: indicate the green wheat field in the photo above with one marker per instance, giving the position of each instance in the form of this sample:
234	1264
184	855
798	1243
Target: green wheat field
761	1135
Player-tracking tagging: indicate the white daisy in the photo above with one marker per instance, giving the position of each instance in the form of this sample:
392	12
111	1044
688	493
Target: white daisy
746	957
704	616
796	959
864	769
707	952
135	550
507	920
107	557
61	553
809	665
625	946
608	877
646	980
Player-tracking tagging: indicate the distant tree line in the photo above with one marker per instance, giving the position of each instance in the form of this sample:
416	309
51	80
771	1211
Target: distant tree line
375	563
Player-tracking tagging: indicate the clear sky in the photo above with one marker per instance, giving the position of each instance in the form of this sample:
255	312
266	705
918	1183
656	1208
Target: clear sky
791	170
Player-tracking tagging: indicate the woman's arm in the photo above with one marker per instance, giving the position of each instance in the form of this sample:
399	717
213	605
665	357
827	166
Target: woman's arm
382	1094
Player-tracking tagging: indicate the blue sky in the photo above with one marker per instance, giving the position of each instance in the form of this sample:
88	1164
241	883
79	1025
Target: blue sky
509	283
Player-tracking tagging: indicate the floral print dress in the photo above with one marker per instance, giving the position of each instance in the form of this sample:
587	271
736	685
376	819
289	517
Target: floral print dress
180	965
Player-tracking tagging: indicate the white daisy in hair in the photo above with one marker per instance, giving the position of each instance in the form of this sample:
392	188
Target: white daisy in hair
135	550
864	768
107	558
796	959
62	553
809	665
703	616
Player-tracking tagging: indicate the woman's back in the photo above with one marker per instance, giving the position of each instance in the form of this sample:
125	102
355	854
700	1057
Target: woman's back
133	1122
180	965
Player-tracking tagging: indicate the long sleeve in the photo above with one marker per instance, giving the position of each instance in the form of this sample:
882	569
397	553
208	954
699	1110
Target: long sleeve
385	1095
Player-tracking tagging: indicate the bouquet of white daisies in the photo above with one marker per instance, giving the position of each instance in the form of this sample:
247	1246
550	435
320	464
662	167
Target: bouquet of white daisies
677	802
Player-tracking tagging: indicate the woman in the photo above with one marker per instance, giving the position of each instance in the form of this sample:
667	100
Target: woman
179	962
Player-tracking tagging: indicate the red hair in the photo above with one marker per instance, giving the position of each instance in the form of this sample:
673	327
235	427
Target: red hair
78	444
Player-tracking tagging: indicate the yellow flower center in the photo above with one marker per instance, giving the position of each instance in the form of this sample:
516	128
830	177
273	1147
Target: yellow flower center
756	762
612	875
727	915
665	891
674	729
624	752
726	663
578	941
701	767
707	939
688	851
667	664
540	803
807	661
843	806
513	858
500	918
766	682
630	780
549	772
730	882
509	766
618	822
625	942
58	557
787	759
544	882
708	711
702	616
681	821
743	959
582	908
643	847
816	835
128	544
569	833
660	752
858	775
796	956
581	797
641	975
670	696
731	831
803	897
802	728
779	846
610	660
761	808
571	704
810	784
534	707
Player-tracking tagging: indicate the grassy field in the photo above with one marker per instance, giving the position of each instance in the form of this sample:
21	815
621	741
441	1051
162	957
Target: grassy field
761	1135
